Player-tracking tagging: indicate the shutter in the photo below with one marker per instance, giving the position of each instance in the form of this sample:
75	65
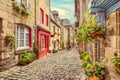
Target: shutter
30	37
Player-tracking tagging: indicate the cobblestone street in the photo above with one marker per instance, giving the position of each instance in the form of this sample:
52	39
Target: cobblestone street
65	65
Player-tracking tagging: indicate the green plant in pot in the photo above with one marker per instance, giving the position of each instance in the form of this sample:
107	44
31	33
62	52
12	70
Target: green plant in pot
116	62
36	50
26	58
95	71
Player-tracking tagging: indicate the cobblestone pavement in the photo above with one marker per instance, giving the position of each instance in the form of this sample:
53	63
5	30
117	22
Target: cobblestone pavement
65	65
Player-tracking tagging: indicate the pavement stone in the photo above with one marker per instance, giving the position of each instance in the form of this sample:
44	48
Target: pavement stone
65	65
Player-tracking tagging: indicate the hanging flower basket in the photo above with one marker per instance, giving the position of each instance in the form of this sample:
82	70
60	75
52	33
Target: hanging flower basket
52	35
90	30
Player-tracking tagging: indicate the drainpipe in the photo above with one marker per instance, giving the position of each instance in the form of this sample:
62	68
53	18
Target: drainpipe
35	26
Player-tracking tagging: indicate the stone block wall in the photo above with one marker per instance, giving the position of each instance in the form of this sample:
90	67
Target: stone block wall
8	20
112	43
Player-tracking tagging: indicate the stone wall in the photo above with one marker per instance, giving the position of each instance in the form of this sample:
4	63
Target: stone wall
112	40
8	20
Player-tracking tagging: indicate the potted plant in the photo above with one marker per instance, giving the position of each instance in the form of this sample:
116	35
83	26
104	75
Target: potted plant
10	41
116	62
26	58
36	50
94	71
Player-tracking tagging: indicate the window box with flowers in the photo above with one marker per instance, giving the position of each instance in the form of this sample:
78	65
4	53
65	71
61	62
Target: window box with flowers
52	35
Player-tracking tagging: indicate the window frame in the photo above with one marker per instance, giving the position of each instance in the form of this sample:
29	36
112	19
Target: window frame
47	21
41	16
18	39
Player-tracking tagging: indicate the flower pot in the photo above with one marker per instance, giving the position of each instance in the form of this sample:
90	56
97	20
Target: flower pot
94	78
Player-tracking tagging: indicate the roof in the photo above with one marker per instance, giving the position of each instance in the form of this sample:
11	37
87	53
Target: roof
101	5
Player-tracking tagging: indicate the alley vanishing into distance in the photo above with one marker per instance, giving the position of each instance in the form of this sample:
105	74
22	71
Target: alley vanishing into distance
65	65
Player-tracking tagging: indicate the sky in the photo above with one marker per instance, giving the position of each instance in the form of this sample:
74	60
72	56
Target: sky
65	8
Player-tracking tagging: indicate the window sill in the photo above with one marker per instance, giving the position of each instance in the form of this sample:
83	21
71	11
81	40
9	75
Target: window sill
22	49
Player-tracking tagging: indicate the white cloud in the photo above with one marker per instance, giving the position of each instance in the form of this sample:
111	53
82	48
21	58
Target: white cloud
65	13
62	13
66	10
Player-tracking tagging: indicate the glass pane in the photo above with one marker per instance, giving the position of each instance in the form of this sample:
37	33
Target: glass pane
21	30
27	36
16	43
21	35
27	43
21	43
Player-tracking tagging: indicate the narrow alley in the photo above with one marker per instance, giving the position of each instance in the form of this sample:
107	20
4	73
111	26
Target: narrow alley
65	65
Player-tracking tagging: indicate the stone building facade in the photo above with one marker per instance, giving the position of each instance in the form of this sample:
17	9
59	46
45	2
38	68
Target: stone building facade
18	23
108	13
70	29
43	26
55	29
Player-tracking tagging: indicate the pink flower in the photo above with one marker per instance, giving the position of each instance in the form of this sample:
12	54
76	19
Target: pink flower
91	70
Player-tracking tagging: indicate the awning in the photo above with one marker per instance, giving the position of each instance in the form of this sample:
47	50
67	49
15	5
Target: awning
100	5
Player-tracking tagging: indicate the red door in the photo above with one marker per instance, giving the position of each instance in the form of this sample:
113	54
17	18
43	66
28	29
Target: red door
43	43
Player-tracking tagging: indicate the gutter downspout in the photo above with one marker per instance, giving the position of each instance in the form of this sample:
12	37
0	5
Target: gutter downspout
35	26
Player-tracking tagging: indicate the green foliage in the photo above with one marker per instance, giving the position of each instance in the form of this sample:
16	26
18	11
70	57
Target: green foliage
62	44
85	56
95	68
11	41
90	30
55	33
20	9
116	61
83	34
36	49
26	56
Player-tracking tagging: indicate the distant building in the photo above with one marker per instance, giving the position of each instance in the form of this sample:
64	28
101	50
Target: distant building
55	31
69	26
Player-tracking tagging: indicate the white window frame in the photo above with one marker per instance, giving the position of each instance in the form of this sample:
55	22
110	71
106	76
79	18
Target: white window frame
43	42
26	31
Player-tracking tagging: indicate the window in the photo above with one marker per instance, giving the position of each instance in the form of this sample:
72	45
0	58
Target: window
26	3
41	16
42	41
46	20
23	36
